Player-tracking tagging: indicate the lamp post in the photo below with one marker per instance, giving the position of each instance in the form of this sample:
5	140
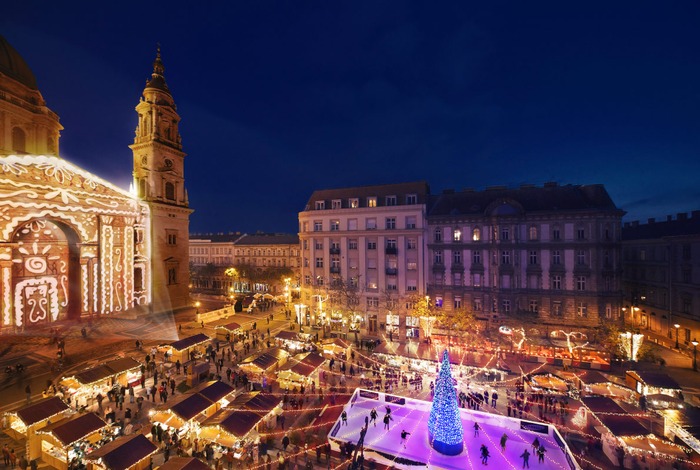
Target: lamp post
676	326
695	354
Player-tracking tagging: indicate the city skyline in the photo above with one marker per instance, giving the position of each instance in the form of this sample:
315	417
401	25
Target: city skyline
275	98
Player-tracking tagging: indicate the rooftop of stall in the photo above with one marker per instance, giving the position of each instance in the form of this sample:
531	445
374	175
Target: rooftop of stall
190	406
124	453
638	379
256	401
299	368
215	390
186	343
224	327
618	420
266	361
184	463
104	371
41	410
334	346
74	428
549	382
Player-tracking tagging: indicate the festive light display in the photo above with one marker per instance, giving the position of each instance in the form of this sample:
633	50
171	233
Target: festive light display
444	424
631	344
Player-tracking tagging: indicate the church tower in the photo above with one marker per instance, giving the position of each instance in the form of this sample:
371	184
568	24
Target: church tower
159	179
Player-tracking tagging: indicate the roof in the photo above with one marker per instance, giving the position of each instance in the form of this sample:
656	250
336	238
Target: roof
268	239
400	190
504	201
592	377
108	369
190	341
123	365
267	359
256	401
184	463
215	390
41	410
70	430
191	406
614	417
290	336
655	379
122	453
13	65
308	364
236	422
227	325
680	226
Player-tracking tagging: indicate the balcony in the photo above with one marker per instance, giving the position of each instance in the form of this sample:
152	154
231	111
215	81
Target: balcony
391	250
335	269
334	250
391	271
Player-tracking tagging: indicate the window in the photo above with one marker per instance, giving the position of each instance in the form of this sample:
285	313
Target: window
533	257
391	243
410	221
372	302
556	309
477	305
371	224
582	309
505	233
411	265
556	233
580	257
319	281
353	203
532	232
411	243
390	223
306	262
372	201
556	282
335	263
686	251
352	224
169	191
438	257
318	226
411	285
391	200
476	257
411	199
438	234
335	225
391	286
352	244
319	262
476	234
307	280
457	235
318	245
534	306
305	227
476	280
580	233
457	257
556	257
506	306
336	204
505	257
172	238
172	276
456	279
320	205
371	245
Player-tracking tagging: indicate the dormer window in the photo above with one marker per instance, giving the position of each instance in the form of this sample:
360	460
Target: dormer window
353	203
320	205
372	201
391	200
336	204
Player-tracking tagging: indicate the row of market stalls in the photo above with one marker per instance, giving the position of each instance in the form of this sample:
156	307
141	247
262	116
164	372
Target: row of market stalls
82	387
302	370
294	341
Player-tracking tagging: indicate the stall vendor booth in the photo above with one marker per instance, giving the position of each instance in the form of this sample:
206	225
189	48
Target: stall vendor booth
258	365
226	330
184	463
656	387
217	392
71	438
594	383
547	383
300	370
126	453
25	422
82	387
189	348
335	348
293	341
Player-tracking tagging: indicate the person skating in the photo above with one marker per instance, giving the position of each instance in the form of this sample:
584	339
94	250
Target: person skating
387	418
504	439
404	435
373	416
344	417
526	458
484	454
476	429
540	453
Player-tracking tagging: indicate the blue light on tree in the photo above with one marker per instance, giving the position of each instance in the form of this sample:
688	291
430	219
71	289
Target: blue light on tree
444	425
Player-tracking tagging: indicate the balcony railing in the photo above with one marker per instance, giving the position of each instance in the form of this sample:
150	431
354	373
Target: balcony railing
391	250
334	250
335	270
391	271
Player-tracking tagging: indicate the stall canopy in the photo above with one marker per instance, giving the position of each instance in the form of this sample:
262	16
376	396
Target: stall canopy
191	406
549	382
124	452
266	360
654	379
190	341
106	370
215	390
614	417
307	364
293	336
256	401
235	422
75	428
184	463
41	410
229	326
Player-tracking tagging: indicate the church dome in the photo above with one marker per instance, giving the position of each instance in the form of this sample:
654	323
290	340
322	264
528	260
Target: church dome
13	65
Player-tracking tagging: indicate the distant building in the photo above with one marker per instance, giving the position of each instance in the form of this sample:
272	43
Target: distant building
363	257
661	261
548	256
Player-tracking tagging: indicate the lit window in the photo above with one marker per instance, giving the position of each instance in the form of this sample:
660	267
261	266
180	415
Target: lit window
476	234
457	235
335	225
372	201
533	307
353	203
532	233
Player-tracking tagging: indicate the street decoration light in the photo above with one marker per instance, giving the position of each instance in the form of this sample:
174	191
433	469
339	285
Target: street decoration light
631	342
676	326
695	354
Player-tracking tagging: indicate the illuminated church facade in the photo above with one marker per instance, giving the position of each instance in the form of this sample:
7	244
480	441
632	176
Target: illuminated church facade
73	245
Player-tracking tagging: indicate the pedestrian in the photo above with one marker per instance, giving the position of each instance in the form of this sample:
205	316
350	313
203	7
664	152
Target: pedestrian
13	458
177	366
172	386
476	429
23	464
484	454
344	417
373	416
526	458
131	393
404	435
28	391
6	455
285	442
540	453
504	439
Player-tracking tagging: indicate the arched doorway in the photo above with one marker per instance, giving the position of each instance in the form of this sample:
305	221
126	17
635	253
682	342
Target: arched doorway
46	273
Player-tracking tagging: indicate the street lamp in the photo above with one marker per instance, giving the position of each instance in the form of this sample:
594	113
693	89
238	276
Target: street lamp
695	354
676	326
196	305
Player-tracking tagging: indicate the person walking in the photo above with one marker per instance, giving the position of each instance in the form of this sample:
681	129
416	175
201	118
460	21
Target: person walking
13	458
526	458
23	464
504	439
535	445
285	442
28	391
484	454
6	455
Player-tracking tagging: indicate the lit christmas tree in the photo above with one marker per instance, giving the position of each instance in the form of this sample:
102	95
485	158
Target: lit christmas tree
444	425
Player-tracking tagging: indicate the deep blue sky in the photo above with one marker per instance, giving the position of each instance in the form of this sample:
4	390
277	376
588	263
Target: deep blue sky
278	99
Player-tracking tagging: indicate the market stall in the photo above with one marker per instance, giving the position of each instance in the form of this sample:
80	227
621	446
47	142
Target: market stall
126	453
184	463
302	369
335	348
227	330
547	383
189	348
82	387
659	386
594	383
71	438
25	422
261	364
293	341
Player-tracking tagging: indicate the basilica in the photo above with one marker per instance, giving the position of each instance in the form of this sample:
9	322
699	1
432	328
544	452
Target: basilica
73	245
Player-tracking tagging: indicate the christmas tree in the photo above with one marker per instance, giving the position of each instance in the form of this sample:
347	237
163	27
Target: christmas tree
444	425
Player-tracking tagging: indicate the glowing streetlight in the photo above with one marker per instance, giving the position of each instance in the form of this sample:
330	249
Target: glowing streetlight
695	353
197	305
676	326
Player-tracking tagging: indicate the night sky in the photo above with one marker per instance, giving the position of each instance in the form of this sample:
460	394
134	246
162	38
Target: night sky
279	99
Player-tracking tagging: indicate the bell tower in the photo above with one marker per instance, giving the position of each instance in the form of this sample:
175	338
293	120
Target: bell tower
159	179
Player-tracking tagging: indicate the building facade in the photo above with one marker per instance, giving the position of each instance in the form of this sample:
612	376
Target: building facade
72	244
362	257
544	256
661	261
